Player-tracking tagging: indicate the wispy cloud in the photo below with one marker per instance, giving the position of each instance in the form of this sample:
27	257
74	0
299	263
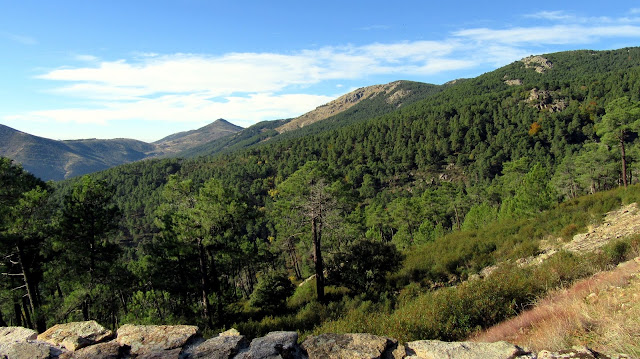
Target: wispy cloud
552	15
243	111
554	35
375	27
22	39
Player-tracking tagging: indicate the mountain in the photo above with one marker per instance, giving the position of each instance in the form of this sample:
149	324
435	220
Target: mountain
360	105
182	141
393	94
57	160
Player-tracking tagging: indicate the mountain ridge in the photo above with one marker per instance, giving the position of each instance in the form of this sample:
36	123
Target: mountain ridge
61	159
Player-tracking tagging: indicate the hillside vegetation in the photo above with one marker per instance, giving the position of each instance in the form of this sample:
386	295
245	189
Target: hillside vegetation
391	214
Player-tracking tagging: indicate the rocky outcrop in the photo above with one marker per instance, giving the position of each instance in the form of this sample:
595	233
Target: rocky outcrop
185	342
538	63
435	349
390	91
149	339
352	346
73	336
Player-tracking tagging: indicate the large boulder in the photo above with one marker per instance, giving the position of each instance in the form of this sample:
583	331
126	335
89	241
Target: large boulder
275	345
350	346
435	349
16	334
30	350
225	345
146	339
74	336
107	350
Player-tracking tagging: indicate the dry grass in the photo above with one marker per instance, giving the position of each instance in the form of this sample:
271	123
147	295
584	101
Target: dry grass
602	312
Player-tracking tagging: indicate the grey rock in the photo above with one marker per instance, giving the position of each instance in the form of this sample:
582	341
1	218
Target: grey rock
222	346
573	353
31	350
16	334
435	349
274	345
161	354
143	339
76	335
350	346
108	350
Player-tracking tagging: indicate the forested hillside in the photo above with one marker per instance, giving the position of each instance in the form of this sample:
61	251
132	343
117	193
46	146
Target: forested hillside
433	192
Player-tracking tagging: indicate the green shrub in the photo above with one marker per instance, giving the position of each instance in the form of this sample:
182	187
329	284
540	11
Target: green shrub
364	265
272	291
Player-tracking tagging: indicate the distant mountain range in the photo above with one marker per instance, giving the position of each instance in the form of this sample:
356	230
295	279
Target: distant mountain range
56	160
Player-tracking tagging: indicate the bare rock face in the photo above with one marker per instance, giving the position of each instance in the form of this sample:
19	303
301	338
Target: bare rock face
74	336
349	346
538	63
435	349
275	345
147	339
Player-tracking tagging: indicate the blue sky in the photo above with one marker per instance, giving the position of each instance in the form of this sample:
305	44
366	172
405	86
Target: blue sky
146	69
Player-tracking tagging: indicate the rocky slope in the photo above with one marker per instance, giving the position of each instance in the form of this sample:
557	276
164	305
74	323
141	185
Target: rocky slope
90	340
392	92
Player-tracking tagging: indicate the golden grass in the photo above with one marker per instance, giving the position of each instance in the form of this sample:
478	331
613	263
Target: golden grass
601	312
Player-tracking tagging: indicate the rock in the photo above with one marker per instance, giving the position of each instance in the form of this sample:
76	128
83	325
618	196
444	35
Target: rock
31	350
16	334
230	333
108	350
145	339
514	82
274	345
349	346
74	336
162	354
435	349
574	353
222	346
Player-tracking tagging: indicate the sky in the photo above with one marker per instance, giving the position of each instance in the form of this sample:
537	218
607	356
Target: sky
147	69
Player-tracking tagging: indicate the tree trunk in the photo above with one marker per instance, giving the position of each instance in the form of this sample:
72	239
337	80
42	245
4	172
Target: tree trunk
317	259
31	291
18	313
2	322
624	162
204	282
27	315
216	286
294	258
